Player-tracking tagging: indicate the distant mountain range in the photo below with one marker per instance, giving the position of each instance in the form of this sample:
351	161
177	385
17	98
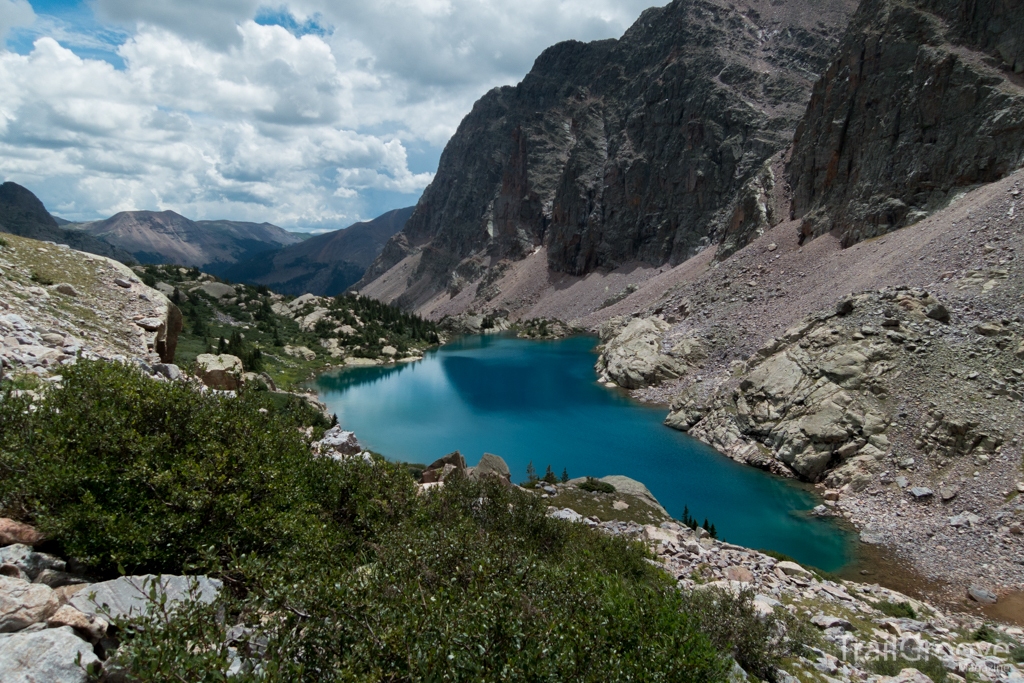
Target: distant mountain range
255	253
21	213
168	237
326	264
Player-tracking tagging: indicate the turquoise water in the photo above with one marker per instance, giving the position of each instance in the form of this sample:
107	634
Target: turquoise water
539	402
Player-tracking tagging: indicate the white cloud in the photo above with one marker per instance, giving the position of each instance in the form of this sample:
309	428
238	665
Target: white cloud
14	13
215	115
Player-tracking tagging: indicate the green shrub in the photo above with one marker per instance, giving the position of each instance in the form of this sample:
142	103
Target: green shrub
477	584
1017	654
41	279
758	643
892	666
129	474
986	633
898	610
594	486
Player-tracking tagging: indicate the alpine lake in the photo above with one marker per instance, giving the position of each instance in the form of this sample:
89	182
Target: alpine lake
539	402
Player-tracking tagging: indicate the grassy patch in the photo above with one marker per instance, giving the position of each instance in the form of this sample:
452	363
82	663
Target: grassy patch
899	610
892	666
600	505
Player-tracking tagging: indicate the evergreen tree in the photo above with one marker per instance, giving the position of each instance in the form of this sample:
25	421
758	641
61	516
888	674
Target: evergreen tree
549	476
713	531
565	475
531	474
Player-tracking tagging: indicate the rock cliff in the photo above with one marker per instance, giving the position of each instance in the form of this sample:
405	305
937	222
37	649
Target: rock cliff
648	148
923	100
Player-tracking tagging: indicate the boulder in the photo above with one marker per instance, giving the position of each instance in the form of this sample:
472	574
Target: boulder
1020	351
91	627
566	514
302	352
15	532
23	604
220	371
634	488
55	655
633	358
128	596
216	290
792	569
339	441
442	467
29	561
168	370
937	312
739	573
921	492
66	289
982	595
991	329
823	622
491	465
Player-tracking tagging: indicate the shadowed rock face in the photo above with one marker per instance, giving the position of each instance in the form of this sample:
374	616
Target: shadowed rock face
920	102
648	148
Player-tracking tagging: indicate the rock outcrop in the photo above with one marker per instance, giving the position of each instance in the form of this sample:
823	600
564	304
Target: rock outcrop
648	148
222	371
920	102
631	355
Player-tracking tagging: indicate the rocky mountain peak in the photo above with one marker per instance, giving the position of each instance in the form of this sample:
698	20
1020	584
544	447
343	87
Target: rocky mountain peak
620	151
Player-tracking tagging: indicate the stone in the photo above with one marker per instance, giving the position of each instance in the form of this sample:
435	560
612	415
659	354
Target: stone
938	312
633	358
221	371
965	519
128	596
824	622
168	370
66	289
990	330
634	488
389	351
216	290
23	604
12	532
491	465
150	324
772	246
302	352
442	467
28	560
1020	351
92	627
121	282
566	514
948	493
55	655
55	579
339	440
620	505
792	569
739	573
982	595
902	482
921	492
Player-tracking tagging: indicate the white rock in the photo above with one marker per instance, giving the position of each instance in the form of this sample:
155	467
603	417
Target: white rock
129	595
52	656
23	604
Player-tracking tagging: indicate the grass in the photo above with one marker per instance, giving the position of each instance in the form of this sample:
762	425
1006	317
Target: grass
898	610
891	666
600	505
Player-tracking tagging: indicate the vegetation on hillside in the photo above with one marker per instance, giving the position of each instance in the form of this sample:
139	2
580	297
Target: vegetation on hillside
339	571
246	325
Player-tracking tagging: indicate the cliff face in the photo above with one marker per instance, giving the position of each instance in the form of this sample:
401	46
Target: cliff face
648	148
920	102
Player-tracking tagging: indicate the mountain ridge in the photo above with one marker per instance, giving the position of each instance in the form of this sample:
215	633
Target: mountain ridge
325	265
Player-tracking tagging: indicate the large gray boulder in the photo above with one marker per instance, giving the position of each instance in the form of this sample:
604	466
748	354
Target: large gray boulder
635	488
633	358
128	596
492	466
23	604
222	371
29	561
55	655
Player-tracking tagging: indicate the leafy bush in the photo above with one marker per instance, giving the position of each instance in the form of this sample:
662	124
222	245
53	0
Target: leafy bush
476	584
899	610
986	633
758	643
892	666
594	486
129	474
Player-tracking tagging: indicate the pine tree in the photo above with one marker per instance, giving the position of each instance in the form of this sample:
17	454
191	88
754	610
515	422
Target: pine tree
713	531
531	474
565	475
549	476
705	525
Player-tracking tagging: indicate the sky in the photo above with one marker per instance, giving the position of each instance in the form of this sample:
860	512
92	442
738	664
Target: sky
309	114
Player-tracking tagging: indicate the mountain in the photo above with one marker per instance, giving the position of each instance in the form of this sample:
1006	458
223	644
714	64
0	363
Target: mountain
325	265
645	149
21	213
924	100
167	237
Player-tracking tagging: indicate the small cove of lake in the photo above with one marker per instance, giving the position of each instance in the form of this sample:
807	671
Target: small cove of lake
539	402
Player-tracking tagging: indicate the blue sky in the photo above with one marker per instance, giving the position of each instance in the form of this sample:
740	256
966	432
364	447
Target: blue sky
311	114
